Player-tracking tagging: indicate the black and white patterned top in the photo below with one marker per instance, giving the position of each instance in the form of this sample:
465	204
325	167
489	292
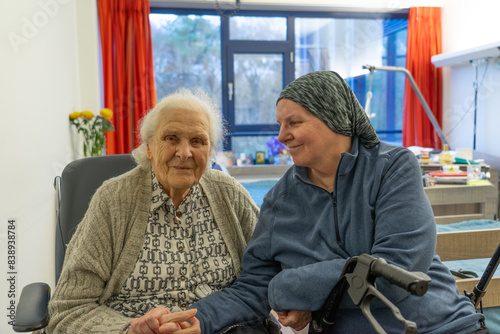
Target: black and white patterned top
183	250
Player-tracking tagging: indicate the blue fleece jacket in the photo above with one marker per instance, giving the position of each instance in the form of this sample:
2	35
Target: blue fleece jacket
305	235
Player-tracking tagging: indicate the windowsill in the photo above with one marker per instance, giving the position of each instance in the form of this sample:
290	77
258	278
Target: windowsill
257	172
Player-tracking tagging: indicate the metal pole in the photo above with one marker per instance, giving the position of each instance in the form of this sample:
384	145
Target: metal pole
414	85
474	64
369	96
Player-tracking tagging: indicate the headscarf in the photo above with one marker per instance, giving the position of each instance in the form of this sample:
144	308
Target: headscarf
327	96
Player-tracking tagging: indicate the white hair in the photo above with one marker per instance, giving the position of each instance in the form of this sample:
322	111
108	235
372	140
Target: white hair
187	100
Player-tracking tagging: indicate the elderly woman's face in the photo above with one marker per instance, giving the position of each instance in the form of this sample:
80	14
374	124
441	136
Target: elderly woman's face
179	150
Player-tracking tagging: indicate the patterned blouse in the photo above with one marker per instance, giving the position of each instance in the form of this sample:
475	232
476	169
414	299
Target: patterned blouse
184	257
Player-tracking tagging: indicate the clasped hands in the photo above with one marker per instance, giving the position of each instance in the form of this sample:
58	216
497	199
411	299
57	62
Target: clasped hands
161	321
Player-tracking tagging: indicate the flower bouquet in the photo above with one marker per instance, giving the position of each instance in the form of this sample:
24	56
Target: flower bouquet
93	129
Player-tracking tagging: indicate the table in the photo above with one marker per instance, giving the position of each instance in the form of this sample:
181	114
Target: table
456	203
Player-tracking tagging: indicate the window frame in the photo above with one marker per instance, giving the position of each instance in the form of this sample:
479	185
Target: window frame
229	47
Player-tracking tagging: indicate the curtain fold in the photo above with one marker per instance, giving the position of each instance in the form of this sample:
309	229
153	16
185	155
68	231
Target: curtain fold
127	66
424	41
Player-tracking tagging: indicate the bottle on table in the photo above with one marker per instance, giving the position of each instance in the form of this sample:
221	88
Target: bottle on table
445	158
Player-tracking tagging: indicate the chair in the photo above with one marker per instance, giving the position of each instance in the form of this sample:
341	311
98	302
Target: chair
75	187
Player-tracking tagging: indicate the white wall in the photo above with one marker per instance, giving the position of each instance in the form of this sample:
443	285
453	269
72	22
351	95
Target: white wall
49	67
466	25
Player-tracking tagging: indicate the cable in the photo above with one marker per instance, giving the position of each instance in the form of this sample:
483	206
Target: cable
472	103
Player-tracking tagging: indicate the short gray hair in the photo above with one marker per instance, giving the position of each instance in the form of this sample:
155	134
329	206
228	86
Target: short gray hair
185	99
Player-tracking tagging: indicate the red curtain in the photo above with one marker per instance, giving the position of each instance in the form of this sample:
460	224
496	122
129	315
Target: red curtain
424	41
127	65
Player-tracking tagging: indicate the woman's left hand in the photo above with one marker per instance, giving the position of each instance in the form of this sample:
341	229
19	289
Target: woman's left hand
296	319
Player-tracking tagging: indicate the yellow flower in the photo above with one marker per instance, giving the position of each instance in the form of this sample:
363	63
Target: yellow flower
93	130
87	114
106	113
75	115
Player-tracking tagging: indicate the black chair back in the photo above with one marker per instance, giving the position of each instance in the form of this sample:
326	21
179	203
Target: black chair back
75	188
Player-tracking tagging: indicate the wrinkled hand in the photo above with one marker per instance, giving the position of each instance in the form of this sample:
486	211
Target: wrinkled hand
161	321
298	320
177	323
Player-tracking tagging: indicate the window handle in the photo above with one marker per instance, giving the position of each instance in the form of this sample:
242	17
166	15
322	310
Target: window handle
230	91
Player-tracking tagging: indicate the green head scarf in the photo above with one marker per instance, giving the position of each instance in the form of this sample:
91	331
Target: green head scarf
327	96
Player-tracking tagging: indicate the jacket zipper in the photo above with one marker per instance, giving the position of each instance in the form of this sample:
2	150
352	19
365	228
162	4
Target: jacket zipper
335	213
231	327
337	229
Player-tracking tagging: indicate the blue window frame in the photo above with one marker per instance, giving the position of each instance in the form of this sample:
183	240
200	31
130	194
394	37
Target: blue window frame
247	137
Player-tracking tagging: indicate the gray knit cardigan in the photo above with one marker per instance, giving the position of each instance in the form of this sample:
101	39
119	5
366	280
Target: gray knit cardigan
104	250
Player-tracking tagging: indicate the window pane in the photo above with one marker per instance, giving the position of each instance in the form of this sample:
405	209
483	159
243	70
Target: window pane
258	81
340	45
401	43
186	53
378	103
391	138
249	145
344	46
257	28
399	94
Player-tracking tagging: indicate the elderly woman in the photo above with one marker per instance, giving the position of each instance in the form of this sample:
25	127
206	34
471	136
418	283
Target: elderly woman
346	194
160	237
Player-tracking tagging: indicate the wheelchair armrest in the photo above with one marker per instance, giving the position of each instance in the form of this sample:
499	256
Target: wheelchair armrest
32	311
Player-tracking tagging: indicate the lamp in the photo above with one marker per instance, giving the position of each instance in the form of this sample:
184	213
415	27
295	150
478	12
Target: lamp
463	57
475	56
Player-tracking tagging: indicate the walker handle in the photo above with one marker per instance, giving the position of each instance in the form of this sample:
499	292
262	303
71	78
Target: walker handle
414	282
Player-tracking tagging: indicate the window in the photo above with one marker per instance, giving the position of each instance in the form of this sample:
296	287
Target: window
244	61
257	28
388	87
186	53
345	45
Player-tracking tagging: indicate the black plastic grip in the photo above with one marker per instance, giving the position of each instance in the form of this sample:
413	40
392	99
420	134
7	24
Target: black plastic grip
489	271
414	282
32	311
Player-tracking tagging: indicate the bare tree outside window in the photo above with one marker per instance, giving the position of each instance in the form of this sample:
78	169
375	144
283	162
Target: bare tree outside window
187	53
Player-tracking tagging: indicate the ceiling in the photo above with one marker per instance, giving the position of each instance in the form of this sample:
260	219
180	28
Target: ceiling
378	6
